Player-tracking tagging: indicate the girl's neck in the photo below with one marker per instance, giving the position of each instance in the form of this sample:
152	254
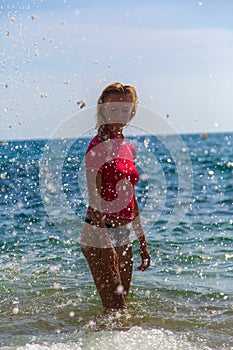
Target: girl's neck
116	130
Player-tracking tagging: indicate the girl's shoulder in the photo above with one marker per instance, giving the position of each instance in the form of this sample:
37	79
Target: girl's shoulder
131	148
93	143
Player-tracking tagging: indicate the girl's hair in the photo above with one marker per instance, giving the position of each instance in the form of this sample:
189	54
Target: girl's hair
114	88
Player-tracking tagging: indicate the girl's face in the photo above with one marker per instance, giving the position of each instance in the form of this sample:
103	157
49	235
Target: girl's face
117	110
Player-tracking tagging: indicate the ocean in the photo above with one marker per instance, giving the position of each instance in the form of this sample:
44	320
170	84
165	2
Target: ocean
183	301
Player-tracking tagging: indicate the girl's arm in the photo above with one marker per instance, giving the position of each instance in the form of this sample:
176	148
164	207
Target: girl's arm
97	216
94	194
138	229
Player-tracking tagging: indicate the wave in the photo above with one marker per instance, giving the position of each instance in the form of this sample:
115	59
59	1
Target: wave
134	338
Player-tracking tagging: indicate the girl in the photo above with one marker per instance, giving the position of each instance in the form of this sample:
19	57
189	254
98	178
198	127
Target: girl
113	207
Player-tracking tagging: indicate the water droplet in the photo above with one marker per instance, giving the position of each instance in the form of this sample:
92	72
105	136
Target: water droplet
120	289
81	103
56	285
15	310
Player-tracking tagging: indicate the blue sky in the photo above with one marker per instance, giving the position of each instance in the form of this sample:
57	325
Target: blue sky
177	53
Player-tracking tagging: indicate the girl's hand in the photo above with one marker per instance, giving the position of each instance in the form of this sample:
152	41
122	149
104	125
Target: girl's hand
145	255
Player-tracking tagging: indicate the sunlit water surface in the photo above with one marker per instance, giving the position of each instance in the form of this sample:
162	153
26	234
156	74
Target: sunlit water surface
185	299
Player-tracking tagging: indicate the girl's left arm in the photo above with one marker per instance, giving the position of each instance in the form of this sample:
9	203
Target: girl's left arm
139	231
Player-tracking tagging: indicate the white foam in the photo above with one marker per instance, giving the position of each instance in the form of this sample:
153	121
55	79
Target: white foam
135	338
138	338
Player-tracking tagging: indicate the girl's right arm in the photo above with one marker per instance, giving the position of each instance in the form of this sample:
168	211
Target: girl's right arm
94	193
97	216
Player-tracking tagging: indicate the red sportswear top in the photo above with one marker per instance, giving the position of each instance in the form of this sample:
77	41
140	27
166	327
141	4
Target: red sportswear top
114	160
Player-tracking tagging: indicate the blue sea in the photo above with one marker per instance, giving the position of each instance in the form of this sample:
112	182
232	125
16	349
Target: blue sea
183	301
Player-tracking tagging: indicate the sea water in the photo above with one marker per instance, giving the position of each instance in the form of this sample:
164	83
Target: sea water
183	301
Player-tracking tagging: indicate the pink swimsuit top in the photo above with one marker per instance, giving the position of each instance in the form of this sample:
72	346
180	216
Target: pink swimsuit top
114	160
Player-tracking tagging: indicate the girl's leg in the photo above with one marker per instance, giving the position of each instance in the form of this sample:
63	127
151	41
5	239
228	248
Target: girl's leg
125	263
106	275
